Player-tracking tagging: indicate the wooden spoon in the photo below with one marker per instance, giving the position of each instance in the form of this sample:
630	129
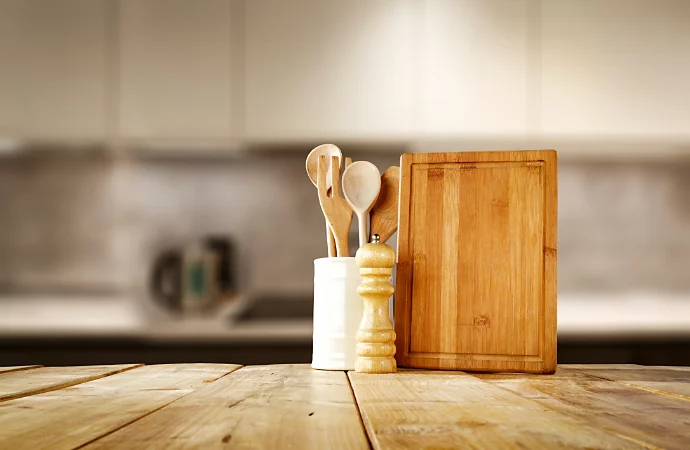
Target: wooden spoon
312	168
335	208
384	214
361	186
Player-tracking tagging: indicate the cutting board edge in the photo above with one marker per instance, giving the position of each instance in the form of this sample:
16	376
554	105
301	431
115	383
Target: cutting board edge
529	367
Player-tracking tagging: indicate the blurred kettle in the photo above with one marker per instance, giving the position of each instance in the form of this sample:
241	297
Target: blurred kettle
194	278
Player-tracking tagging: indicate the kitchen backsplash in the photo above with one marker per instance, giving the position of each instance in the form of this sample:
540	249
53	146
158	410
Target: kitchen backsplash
63	225
95	223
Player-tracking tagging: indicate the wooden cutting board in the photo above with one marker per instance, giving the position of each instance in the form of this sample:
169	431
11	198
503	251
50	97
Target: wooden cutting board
476	277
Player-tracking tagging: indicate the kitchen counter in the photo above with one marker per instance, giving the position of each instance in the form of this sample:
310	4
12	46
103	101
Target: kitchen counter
579	316
120	317
70	331
294	406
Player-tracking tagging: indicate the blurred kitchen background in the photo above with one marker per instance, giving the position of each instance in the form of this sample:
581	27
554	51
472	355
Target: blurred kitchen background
139	138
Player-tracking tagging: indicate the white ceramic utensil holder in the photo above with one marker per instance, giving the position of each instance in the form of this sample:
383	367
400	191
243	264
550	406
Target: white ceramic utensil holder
337	313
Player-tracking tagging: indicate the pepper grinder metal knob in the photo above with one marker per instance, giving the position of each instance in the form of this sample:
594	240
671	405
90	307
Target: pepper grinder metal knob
375	337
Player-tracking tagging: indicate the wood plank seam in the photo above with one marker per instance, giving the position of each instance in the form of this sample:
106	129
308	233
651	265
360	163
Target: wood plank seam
125	424
428	408
359	411
101	405
66	384
636	386
148	413
259	406
368	428
4	370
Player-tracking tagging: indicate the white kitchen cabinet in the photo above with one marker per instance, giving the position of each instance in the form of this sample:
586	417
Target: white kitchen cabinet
181	69
9	70
475	64
53	80
327	69
387	69
614	68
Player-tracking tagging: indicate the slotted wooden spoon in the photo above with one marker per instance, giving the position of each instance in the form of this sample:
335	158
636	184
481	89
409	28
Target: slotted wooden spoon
312	167
338	213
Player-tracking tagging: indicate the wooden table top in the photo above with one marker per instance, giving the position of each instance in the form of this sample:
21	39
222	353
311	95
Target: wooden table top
292	406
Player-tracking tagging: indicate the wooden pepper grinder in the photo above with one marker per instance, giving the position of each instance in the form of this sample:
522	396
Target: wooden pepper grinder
375	337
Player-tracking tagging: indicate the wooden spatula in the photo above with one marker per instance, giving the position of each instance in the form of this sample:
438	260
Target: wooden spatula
384	214
338	213
312	166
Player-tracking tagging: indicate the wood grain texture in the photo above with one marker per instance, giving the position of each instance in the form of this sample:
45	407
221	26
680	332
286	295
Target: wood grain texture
361	187
384	214
655	421
672	381
375	336
34	381
16	368
312	171
293	406
425	409
335	208
290	406
76	415
476	279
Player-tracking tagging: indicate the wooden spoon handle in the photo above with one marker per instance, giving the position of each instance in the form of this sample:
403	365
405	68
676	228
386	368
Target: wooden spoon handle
348	161
342	245
331	241
362	221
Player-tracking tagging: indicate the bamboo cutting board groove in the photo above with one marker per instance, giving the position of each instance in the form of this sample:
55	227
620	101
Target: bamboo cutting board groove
476	277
